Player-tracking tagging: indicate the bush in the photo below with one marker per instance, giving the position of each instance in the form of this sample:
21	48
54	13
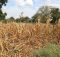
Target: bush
51	50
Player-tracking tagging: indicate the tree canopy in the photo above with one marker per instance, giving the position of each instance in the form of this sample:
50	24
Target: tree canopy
2	15
55	15
24	19
47	12
2	2
42	14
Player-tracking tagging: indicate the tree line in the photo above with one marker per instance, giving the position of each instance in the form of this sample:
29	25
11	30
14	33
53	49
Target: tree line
44	13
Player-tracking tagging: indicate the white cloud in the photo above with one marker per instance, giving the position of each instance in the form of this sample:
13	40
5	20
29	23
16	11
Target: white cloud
12	11
53	3
24	2
48	2
16	12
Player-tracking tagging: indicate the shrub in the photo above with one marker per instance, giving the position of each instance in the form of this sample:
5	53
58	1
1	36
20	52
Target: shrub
51	50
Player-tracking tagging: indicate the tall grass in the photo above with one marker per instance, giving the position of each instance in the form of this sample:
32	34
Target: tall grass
51	50
20	39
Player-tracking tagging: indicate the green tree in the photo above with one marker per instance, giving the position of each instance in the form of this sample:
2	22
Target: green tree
17	20
42	14
2	15
24	19
35	17
2	2
11	19
55	15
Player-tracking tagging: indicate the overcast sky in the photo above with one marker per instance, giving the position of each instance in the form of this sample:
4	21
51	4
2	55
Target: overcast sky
29	7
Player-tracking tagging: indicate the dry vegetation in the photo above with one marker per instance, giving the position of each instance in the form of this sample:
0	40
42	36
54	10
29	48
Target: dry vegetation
20	39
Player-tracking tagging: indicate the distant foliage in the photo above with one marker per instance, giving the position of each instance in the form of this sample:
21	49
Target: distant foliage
17	20
24	19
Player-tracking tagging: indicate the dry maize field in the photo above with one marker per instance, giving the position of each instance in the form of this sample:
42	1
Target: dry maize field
21	39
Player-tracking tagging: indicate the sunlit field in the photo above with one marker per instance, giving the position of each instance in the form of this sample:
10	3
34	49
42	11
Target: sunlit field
29	28
21	39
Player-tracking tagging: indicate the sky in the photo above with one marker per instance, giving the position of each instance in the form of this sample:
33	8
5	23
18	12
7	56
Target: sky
28	7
